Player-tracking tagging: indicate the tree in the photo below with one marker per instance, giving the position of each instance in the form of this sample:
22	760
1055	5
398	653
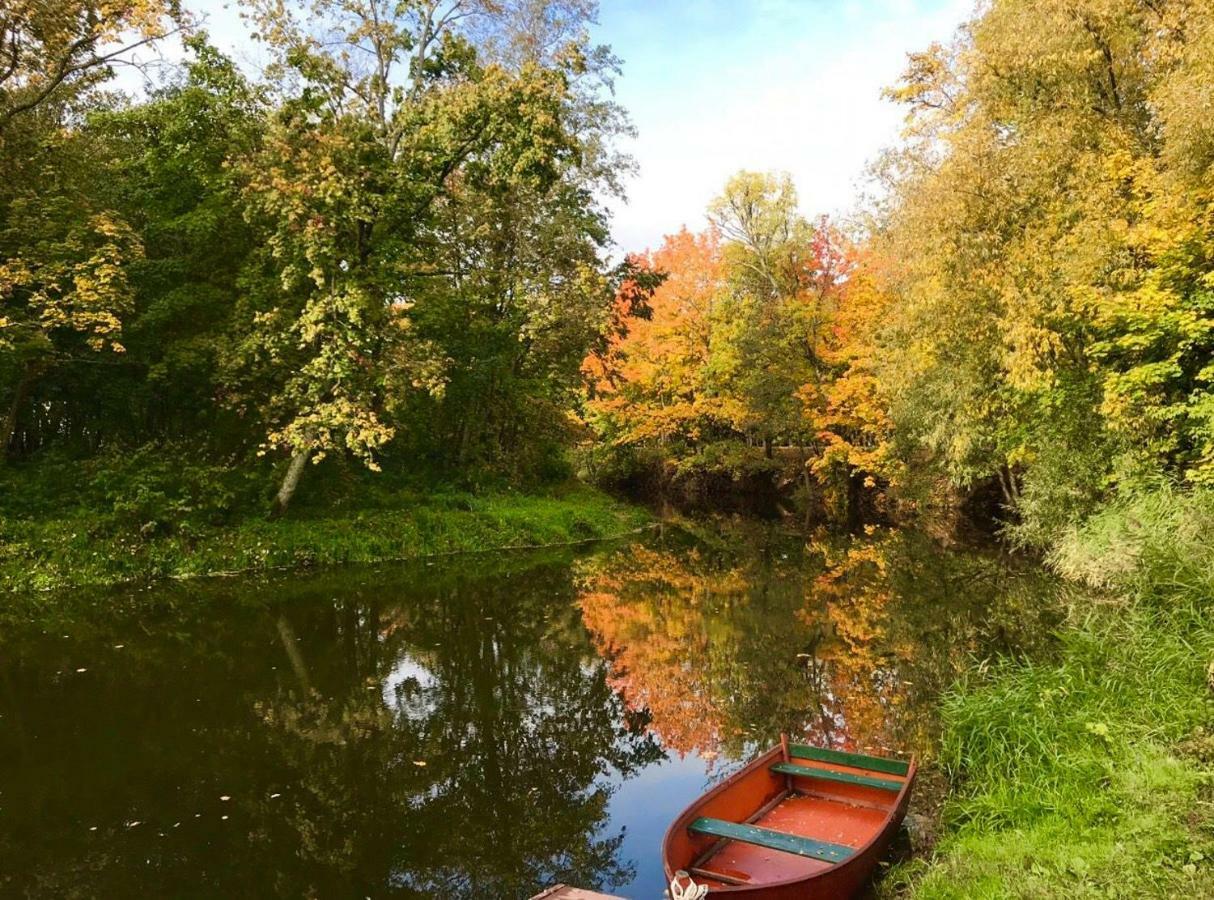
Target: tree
64	250
1047	334
729	353
389	120
70	298
661	391
52	51
784	278
170	158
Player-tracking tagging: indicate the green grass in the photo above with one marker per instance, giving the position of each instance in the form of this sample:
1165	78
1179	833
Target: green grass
1091	774
124	527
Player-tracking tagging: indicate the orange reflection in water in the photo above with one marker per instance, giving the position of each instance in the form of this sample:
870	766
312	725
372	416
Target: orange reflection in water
724	643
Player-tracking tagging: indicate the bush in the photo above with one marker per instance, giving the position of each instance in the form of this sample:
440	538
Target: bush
1090	775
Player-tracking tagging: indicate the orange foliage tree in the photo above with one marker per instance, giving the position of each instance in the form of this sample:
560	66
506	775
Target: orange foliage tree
760	331
849	413
654	382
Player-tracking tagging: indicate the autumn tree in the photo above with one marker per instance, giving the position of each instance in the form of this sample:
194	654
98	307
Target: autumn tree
848	413
659	390
400	166
1051	318
51	52
731	355
65	251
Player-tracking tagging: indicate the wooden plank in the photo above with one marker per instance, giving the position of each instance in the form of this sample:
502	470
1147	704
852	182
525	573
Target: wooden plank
717	876
846	801
771	839
565	892
841	777
857	760
751	819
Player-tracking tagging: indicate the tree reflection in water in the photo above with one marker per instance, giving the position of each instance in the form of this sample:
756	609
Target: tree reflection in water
460	730
441	736
729	637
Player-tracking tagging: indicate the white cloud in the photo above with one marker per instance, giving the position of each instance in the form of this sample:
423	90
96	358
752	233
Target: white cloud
787	85
715	86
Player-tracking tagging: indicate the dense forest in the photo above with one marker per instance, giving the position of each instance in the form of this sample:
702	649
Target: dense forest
387	250
390	250
1027	306
377	274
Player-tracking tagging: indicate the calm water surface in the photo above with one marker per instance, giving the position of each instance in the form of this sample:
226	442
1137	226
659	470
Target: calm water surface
475	728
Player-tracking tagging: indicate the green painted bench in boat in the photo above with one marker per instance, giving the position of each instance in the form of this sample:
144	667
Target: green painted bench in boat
841	777
771	839
856	760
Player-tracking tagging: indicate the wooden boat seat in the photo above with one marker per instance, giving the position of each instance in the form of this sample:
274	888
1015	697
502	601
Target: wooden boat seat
855	760
771	839
884	784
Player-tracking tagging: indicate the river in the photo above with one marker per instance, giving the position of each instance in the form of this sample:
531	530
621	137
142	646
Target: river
471	727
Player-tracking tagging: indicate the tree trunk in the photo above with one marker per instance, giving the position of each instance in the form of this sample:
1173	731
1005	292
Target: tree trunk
24	385
289	483
290	643
1008	487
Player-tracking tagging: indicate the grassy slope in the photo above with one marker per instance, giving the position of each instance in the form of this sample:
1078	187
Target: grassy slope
90	539
1092	774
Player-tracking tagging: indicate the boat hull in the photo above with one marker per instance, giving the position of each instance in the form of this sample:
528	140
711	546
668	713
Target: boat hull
858	816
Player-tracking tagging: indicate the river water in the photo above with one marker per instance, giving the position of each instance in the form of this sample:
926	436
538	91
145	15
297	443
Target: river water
475	727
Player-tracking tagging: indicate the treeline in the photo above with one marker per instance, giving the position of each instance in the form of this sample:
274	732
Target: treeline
388	251
1027	309
388	248
739	353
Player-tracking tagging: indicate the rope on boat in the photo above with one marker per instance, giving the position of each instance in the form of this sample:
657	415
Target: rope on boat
683	888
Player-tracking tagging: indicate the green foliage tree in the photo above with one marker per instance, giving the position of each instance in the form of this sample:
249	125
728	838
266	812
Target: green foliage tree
64	249
389	245
383	189
1051	321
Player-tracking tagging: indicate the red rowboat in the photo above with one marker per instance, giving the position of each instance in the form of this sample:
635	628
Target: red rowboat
799	822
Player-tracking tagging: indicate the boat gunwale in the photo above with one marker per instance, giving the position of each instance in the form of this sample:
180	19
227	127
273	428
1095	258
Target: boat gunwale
764	759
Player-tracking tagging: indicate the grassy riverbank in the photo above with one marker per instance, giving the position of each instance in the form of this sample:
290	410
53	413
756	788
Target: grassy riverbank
1091	774
56	532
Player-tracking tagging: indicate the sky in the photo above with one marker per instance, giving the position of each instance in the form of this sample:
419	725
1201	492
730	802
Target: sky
716	86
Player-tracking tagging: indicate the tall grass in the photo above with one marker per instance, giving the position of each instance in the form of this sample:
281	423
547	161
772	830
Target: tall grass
1091	774
1156	546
